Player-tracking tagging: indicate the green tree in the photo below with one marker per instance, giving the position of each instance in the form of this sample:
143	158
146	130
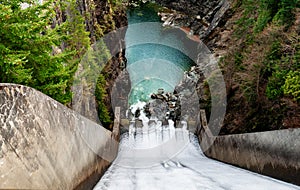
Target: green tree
78	38
100	94
26	49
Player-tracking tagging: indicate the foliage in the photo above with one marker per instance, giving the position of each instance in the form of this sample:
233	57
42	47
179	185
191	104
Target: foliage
259	15
107	23
247	19
41	45
275	84
115	3
277	64
92	63
273	72
100	94
26	49
280	11
98	62
75	26
262	66
284	67
292	84
285	13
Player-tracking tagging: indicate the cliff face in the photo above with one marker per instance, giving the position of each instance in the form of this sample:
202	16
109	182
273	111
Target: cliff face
104	19
117	78
202	17
257	55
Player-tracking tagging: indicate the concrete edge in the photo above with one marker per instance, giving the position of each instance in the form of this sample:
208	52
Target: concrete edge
272	153
33	103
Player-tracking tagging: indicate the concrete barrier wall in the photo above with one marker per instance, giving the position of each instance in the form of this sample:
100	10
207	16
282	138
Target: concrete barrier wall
43	143
274	153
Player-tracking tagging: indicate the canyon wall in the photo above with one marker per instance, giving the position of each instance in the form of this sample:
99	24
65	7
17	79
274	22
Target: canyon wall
45	145
201	17
104	23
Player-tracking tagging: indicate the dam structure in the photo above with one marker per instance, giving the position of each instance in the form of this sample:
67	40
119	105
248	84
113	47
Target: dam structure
51	151
164	143
188	169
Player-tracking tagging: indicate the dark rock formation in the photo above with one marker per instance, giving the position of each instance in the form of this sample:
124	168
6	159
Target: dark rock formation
117	78
168	106
110	23
45	145
164	106
201	17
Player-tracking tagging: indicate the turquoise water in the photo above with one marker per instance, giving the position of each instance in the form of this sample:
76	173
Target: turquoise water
154	54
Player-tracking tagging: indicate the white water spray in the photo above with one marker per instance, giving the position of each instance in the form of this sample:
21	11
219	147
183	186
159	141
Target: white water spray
147	161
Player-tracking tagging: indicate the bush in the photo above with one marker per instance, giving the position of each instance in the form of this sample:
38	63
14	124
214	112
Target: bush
100	94
292	85
282	69
276	81
285	13
280	11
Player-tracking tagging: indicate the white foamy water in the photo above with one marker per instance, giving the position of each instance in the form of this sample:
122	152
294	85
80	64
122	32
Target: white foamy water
164	159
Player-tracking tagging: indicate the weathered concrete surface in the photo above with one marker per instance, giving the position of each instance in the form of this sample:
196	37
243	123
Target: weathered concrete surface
273	153
43	143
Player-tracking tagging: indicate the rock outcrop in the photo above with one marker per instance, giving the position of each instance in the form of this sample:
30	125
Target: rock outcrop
45	145
201	17
108	19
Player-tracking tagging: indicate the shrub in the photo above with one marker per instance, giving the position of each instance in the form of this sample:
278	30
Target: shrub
276	81
100	94
292	85
280	11
285	13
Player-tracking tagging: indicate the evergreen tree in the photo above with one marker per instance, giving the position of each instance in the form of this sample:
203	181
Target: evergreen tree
26	48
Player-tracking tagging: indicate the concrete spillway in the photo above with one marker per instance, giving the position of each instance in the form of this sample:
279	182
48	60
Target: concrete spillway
189	169
43	147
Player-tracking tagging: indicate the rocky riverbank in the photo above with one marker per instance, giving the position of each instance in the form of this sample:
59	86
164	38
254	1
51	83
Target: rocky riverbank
180	105
200	17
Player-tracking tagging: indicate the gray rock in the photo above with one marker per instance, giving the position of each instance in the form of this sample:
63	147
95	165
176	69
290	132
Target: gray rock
202	17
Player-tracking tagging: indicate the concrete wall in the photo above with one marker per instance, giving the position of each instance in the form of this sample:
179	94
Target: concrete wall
44	145
273	153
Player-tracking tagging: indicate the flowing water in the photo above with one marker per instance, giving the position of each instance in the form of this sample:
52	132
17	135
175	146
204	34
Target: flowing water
156	57
162	157
189	169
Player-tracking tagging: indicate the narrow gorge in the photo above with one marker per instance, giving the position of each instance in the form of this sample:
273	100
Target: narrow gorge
184	94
